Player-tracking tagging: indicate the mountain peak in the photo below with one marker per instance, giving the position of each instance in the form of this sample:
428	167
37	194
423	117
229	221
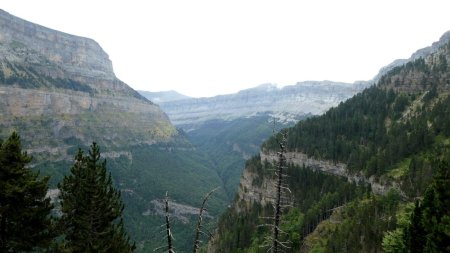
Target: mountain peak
73	53
421	53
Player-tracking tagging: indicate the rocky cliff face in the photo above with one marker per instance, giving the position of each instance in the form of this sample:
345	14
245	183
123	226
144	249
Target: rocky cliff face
427	69
54	81
74	54
28	50
329	167
285	104
421	53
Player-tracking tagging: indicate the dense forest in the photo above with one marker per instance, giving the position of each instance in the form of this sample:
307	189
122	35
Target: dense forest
395	133
87	217
314	195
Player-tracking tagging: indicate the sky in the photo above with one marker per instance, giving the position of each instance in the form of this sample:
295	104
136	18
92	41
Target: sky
203	48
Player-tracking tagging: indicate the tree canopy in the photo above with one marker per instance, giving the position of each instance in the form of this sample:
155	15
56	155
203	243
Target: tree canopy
92	208
25	220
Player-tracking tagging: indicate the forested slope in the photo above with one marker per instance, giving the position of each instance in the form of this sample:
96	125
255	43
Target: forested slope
397	133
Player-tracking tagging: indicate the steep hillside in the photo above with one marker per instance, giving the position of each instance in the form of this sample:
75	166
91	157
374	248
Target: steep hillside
52	80
230	128
60	93
229	143
389	137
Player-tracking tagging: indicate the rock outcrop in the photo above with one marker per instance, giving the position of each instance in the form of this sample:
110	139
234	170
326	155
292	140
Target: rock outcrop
329	167
421	53
28	50
78	55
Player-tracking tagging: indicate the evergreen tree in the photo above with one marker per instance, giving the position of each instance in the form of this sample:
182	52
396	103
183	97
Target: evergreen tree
415	235
436	211
25	220
430	222
92	208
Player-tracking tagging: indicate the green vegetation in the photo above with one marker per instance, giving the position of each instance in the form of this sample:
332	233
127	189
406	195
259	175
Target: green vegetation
357	133
91	208
229	143
392	133
142	173
141	179
25	223
154	170
314	196
28	77
429	225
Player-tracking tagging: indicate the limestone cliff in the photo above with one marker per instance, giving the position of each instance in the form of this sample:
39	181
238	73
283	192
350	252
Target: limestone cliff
75	54
329	167
28	50
437	48
59	90
285	104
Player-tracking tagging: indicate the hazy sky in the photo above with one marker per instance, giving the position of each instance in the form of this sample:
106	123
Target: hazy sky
209	47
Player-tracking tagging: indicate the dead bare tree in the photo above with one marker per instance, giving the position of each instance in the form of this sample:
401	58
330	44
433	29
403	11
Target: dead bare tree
169	236
198	229
281	201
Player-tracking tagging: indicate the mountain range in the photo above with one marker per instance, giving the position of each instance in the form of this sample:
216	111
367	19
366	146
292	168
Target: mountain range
284	104
60	93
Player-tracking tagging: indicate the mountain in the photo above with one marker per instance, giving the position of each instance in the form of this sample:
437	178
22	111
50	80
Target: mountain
162	96
59	91
354	172
421	53
56	80
285	104
229	129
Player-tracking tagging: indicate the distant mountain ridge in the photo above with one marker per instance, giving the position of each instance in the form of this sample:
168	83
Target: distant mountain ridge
285	104
162	96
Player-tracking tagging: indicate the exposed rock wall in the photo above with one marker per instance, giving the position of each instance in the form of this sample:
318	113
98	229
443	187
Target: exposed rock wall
338	169
414	80
47	120
75	54
250	192
285	103
59	90
36	53
28	102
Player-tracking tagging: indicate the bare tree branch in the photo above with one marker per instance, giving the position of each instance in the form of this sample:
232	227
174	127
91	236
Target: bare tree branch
200	220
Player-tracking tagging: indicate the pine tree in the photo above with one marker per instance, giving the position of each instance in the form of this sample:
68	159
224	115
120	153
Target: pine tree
91	208
436	211
25	222
415	235
430	222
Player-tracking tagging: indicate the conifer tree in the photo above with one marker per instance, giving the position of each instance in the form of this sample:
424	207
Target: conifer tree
430	221
436	211
91	208
25	222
